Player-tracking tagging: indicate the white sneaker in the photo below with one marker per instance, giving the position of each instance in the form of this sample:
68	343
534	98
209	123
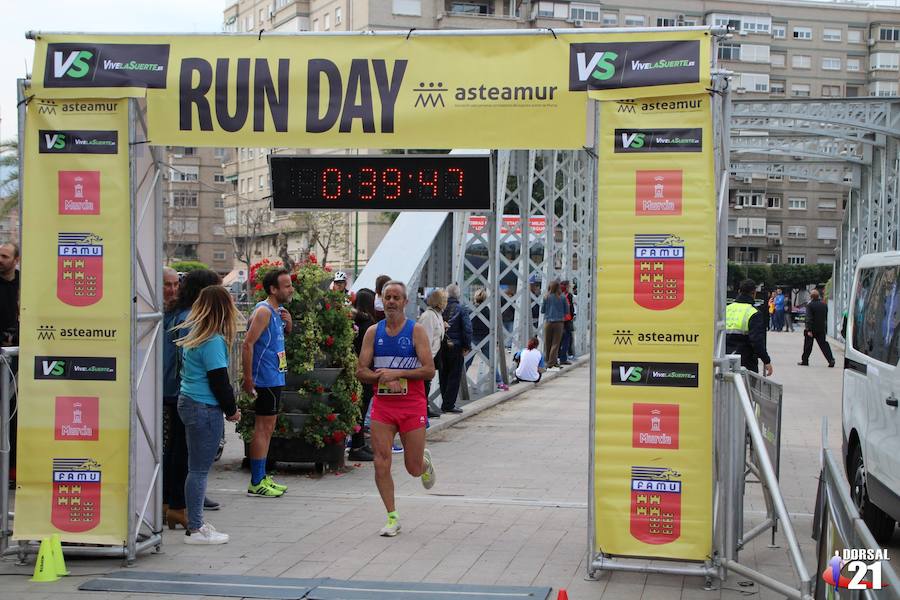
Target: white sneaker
206	535
391	529
428	477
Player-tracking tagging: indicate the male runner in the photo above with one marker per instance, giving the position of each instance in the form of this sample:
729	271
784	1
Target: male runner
401	354
264	365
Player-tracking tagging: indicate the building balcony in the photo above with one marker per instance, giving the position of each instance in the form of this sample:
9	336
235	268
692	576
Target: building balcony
454	20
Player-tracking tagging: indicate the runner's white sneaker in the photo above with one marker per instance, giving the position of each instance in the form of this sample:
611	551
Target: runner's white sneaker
206	535
391	529
428	477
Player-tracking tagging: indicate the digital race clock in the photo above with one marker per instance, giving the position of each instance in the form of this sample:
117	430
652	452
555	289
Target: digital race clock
381	182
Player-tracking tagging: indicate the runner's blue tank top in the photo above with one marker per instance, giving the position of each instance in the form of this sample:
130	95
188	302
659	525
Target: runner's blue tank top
399	352
269	361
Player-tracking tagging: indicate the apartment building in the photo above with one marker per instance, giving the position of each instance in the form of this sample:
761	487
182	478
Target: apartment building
794	49
194	213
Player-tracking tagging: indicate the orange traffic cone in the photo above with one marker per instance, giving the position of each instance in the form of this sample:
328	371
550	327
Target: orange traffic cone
562	594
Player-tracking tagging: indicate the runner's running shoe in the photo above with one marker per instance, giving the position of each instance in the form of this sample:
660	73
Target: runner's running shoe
262	490
391	529
275	486
428	477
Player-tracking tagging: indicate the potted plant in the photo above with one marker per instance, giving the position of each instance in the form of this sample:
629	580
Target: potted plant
320	404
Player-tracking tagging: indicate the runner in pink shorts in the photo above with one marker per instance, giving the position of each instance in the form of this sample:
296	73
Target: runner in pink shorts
396	359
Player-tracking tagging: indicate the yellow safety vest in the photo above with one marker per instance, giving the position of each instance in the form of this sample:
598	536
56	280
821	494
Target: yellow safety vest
737	318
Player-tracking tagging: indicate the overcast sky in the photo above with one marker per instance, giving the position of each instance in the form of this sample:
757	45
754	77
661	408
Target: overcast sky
108	16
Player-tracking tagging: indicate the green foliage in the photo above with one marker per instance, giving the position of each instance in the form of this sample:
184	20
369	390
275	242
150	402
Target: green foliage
9	176
773	276
188	265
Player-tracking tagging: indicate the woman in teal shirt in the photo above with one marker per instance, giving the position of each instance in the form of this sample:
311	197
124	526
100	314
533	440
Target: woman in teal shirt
206	394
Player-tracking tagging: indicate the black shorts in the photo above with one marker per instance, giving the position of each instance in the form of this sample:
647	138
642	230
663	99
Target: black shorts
268	401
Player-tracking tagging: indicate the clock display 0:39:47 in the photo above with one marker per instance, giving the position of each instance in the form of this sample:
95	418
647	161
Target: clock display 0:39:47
391	183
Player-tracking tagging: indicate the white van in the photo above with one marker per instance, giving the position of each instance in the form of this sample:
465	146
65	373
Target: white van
871	417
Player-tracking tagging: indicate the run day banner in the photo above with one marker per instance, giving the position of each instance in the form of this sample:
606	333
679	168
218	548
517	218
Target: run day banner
74	369
655	291
389	90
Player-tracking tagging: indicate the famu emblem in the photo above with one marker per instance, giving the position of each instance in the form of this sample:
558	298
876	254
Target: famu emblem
76	494
658	270
79	279
655	505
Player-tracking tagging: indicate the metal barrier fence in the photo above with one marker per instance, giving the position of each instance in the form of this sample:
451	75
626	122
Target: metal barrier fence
7	386
838	526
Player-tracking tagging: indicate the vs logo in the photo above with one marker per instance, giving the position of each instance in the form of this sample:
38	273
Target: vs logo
73	64
633	140
631	374
601	65
54	141
53	368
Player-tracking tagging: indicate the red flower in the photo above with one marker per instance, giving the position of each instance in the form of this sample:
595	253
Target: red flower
331	417
320	389
327	306
293	277
356	428
329	341
327	269
339	436
354	398
258	286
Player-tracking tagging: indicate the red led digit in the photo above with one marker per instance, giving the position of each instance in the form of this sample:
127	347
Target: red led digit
428	178
367	180
454	181
331	183
391	179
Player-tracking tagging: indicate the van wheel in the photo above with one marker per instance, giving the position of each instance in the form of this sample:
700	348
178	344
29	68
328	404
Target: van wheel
879	523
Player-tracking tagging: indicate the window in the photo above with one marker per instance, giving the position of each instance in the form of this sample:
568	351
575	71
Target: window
802	33
231	216
830	63
732	226
249	153
754	53
219	152
412	8
828	204
883	88
634	21
750	199
665	22
184	199
188	251
798	179
773	202
831	35
729	21
315	25
797	232
773	258
751	226
823	259
218	230
799	89
796	259
756	24
327	21
773	231
854	36
831	91
776	177
218	178
262	15
876	314
779	32
242	187
688	22
219	202
262	182
826	233
729	52
183	226
776	87
610	19
584	13
338	16
185	173
754	82
801	61
853	64
218	255
796	203
884	61
852	91
889	34
778	59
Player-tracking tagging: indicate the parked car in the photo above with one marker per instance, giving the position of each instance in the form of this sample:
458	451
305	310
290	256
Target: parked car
871	417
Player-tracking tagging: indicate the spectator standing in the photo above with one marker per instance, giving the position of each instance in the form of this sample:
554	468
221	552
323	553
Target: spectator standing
554	309
206	394
363	318
432	321
480	330
816	328
189	290
531	363
379	304
789	312
174	470
459	336
745	330
9	331
568	337
779	310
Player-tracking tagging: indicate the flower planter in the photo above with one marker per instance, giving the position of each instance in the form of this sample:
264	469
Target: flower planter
300	402
324	375
295	450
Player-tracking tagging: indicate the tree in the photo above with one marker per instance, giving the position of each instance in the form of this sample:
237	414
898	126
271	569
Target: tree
326	230
184	266
9	176
250	223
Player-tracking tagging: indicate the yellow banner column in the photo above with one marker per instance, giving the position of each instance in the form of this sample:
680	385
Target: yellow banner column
655	318
74	369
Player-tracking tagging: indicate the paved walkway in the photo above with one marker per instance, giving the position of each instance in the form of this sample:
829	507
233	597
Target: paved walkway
509	506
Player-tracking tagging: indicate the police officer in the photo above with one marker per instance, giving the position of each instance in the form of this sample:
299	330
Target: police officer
745	330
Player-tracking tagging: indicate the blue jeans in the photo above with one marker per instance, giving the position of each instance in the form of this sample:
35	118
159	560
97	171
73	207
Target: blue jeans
203	425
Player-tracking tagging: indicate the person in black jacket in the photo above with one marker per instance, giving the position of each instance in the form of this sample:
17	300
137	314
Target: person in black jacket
459	333
363	318
745	330
816	326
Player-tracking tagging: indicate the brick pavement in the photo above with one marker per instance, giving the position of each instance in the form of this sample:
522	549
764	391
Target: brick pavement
509	506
